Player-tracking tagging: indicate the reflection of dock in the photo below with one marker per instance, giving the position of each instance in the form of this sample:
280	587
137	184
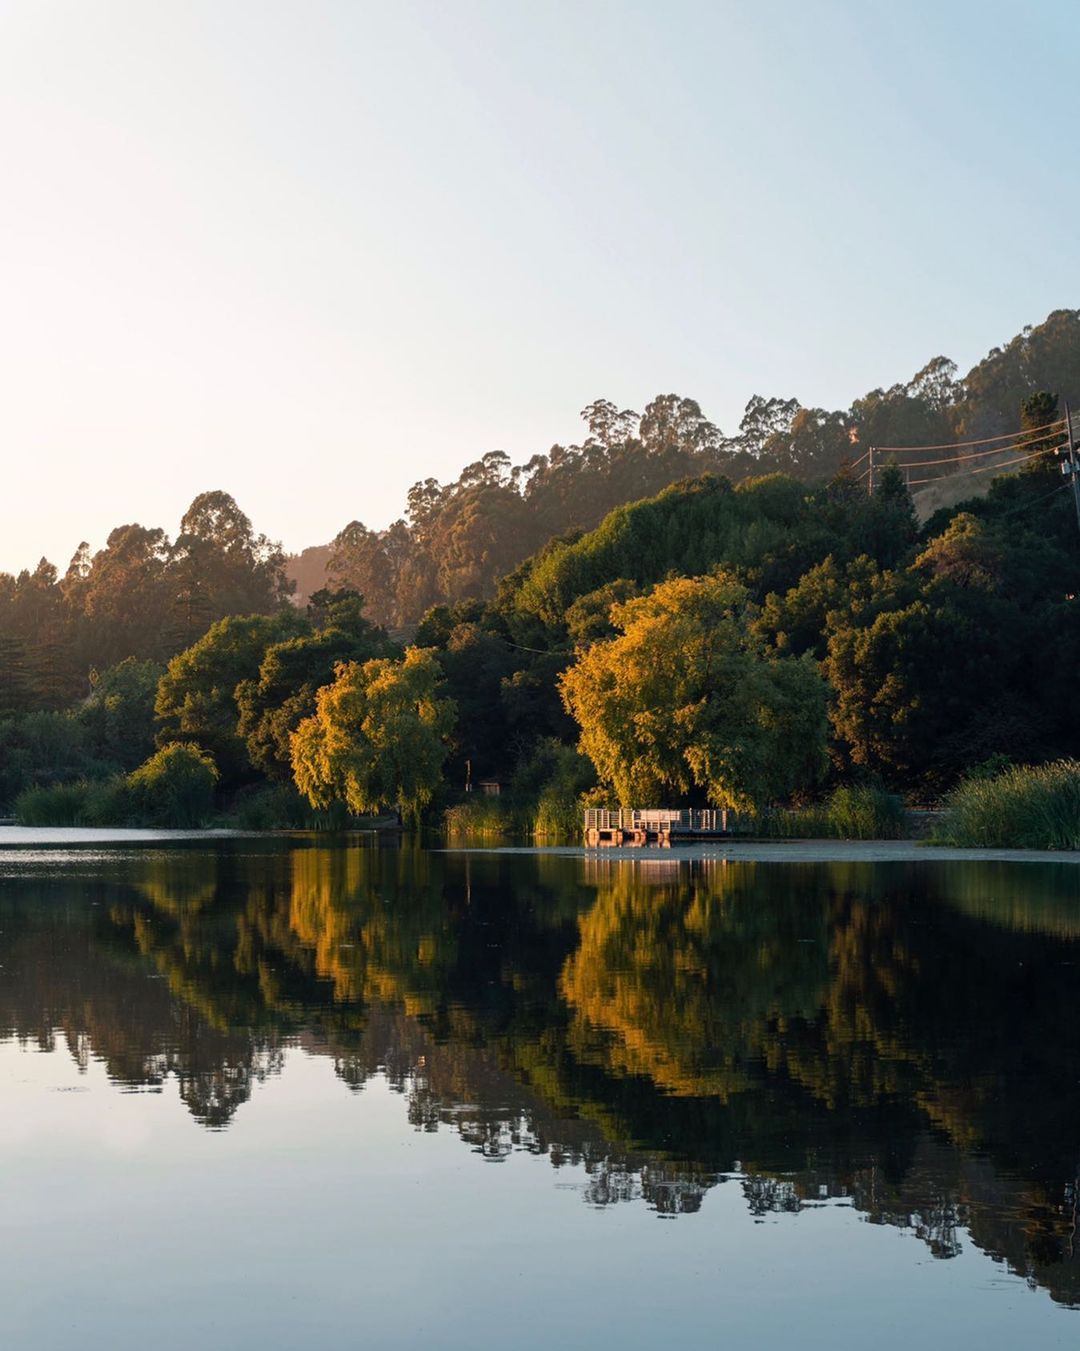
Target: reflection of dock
660	825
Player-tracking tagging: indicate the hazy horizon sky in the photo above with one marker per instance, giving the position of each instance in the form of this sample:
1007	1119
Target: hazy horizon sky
310	253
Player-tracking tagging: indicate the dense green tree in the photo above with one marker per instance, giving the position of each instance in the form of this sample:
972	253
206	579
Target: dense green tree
41	748
196	699
931	671
797	622
1046	356
175	787
475	663
379	737
35	622
283	694
118	718
122	594
16	695
219	566
685	699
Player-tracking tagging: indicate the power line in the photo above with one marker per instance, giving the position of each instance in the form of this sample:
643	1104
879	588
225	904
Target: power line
539	651
982	441
1021	444
982	469
987	468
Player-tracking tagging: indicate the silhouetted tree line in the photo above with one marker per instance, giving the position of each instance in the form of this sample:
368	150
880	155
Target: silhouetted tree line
142	595
455	540
908	654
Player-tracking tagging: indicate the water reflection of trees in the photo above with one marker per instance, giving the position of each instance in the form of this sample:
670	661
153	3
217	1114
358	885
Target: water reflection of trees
897	1037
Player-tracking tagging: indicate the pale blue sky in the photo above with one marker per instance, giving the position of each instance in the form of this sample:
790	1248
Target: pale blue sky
312	252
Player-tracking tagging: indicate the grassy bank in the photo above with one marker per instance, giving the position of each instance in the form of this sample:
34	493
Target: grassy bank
556	818
1025	807
125	800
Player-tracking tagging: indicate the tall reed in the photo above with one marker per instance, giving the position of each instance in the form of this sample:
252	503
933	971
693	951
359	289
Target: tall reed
480	820
858	813
1025	807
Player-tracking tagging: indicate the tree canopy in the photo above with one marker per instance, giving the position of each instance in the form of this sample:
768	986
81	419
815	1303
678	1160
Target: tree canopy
685	699
379	736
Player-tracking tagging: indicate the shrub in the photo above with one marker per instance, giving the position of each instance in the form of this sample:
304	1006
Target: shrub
858	813
58	804
175	787
479	819
1025	807
551	780
558	816
83	802
279	807
865	813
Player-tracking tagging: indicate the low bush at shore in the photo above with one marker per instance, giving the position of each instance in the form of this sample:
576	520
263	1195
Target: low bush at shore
480	820
860	813
175	787
1025	807
86	802
555	817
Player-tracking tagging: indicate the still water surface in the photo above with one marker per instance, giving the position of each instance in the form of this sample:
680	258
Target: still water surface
270	1095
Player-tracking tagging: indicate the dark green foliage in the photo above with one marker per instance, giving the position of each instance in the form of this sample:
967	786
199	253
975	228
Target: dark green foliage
954	658
41	749
278	806
769	532
219	566
475	663
61	804
196	699
81	802
860	812
175	787
272	705
118	720
797	622
552	780
16	696
140	596
1020	808
456	540
942	648
589	618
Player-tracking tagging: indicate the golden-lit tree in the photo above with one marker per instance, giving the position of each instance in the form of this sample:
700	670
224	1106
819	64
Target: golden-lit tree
685	698
379	737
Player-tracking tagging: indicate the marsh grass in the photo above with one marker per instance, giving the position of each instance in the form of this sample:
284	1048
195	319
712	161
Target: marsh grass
1025	807
859	813
557	818
554	817
480	820
85	802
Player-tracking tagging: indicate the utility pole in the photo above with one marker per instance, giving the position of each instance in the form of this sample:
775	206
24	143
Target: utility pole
1072	463
871	471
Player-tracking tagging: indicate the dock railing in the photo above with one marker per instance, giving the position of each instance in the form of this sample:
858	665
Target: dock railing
673	820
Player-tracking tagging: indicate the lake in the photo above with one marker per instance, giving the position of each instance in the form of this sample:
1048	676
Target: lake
273	1093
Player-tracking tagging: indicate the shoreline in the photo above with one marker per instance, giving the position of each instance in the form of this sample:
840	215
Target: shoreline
789	851
48	838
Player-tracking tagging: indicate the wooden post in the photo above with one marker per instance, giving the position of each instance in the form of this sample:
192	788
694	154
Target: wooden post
1072	462
871	477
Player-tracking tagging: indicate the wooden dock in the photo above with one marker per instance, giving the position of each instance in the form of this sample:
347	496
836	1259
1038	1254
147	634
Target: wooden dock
658	825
